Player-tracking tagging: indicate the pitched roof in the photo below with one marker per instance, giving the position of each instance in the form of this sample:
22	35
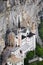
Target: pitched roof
30	34
23	36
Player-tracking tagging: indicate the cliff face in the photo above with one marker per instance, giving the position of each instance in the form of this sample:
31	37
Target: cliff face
2	6
26	10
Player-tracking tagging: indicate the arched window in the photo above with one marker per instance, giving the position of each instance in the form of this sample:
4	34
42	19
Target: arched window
21	51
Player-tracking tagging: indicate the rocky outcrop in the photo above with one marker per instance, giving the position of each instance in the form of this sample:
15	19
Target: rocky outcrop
2	6
26	10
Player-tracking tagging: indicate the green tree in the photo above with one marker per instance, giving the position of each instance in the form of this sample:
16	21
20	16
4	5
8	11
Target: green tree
40	29
39	51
